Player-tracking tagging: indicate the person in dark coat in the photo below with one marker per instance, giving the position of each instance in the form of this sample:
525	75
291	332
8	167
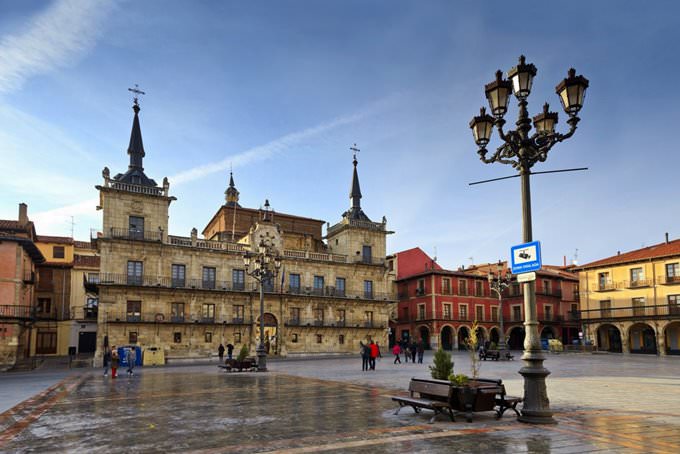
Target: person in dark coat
230	351
107	361
414	351
365	355
420	350
220	352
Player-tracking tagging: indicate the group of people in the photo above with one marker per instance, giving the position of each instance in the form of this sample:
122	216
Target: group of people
410	350
112	360
369	353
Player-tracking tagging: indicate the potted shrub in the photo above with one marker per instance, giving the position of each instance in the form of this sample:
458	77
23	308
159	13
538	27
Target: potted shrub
442	366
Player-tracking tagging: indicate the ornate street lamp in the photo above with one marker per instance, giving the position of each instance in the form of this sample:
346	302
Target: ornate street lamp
498	283
266	264
522	151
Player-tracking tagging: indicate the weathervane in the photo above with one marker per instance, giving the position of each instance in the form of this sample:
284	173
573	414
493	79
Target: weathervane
137	92
355	150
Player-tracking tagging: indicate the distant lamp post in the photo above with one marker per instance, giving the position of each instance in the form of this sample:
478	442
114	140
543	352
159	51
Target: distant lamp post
498	283
522	151
265	264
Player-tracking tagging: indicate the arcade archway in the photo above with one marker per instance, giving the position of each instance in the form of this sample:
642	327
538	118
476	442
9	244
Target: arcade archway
271	339
446	338
516	338
463	334
642	339
425	336
609	339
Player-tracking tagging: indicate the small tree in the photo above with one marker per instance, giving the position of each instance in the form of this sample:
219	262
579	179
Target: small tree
471	345
243	353
442	365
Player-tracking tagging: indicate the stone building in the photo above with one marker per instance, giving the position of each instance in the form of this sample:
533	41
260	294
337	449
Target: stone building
187	295
631	301
439	306
19	257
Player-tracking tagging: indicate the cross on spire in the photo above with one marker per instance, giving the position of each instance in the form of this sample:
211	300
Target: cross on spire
355	150
137	92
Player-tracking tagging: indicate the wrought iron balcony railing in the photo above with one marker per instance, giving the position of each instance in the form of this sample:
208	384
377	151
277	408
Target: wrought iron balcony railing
168	318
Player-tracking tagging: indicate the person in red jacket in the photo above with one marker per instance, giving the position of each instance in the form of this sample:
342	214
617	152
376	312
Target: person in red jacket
396	351
374	354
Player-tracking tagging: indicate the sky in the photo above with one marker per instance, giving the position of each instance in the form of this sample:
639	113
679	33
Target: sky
279	91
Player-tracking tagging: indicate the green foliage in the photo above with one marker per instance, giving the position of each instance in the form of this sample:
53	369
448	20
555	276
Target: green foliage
243	353
442	365
459	380
471	343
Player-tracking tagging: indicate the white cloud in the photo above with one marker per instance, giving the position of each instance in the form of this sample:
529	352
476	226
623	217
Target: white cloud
281	144
60	34
58	220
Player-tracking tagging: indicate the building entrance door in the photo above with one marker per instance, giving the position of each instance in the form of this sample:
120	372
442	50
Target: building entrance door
87	342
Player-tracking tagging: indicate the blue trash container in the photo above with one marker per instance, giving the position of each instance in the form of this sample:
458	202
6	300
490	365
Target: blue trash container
122	355
545	345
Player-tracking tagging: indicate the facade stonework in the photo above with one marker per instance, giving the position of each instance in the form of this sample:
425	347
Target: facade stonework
186	295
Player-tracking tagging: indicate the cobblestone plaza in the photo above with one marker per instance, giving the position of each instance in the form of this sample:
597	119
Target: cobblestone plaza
603	403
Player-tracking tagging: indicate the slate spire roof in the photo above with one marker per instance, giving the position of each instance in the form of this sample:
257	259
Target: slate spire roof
135	173
355	212
232	194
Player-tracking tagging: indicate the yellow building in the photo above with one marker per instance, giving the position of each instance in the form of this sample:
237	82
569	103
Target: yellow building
186	295
631	301
65	311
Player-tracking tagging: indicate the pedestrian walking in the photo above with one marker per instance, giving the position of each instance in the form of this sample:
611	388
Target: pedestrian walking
114	361
396	351
378	347
373	349
365	353
131	357
421	351
407	352
414	351
230	351
220	352
107	361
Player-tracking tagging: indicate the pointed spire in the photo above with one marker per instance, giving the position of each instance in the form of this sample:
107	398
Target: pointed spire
355	192
231	195
136	148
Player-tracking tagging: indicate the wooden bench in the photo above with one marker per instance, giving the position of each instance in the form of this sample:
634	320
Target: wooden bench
502	401
489	354
495	355
430	395
233	364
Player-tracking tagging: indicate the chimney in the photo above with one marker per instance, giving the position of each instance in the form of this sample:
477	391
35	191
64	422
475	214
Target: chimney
564	260
23	214
618	252
666	237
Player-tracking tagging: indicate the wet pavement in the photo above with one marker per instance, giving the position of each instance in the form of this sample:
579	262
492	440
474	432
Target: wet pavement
603	404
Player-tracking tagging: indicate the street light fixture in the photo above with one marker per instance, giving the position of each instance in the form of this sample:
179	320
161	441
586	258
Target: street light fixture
522	151
498	283
263	272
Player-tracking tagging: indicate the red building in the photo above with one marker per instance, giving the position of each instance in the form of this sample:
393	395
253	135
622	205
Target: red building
439	306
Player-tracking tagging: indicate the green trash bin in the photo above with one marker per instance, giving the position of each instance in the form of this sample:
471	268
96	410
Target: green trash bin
154	356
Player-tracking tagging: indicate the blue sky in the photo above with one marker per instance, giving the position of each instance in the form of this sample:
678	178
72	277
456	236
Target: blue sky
281	89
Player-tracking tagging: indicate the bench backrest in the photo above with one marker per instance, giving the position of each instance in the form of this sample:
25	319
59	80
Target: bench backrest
429	389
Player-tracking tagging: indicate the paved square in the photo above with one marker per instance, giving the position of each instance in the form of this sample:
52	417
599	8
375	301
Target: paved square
602	402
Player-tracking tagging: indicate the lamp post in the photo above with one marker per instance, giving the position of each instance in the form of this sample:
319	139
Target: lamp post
265	267
498	283
522	151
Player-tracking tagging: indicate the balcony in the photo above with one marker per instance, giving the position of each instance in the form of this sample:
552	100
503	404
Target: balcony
13	312
133	234
420	291
661	311
607	286
639	283
549	292
104	279
670	280
169	318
